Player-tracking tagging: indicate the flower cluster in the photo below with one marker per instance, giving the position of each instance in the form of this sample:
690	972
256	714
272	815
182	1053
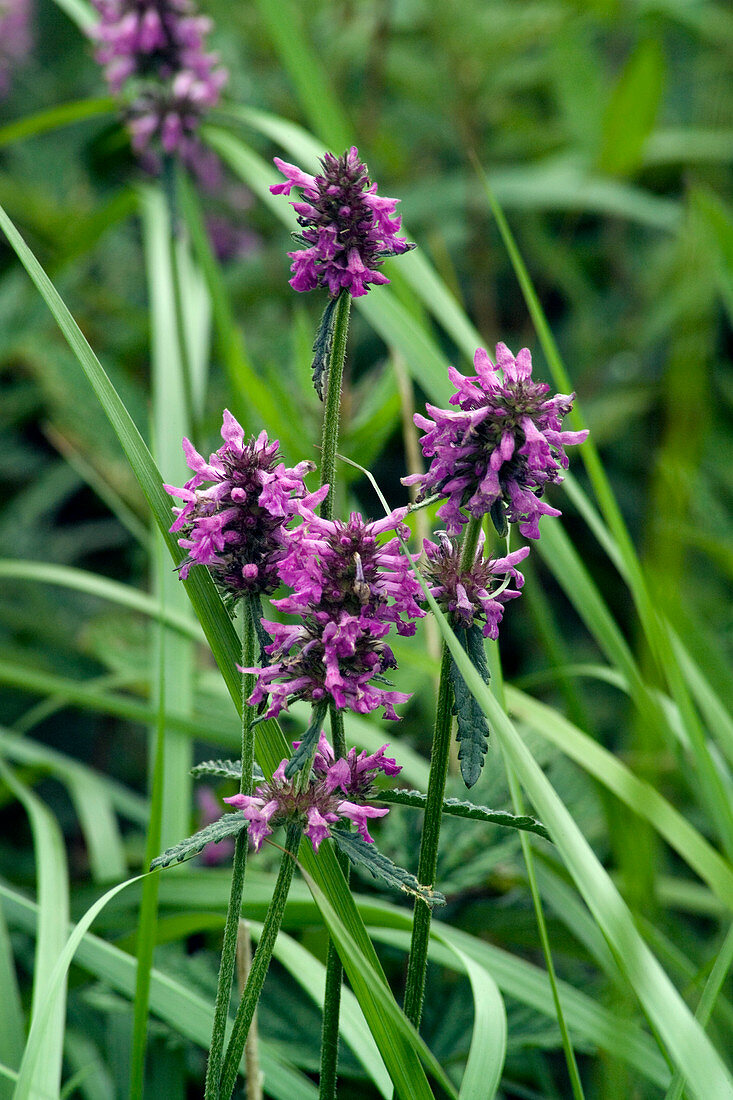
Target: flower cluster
237	525
155	50
15	38
500	448
468	593
331	795
349	590
347	228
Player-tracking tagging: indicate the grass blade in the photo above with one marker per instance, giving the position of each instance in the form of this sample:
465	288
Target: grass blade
42	1077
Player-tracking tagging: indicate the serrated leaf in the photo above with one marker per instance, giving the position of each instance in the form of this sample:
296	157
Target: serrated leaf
228	825
322	346
307	746
263	638
473	729
458	808
367	855
225	769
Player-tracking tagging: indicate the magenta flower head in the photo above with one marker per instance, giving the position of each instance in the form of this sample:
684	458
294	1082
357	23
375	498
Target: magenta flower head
337	790
237	524
500	449
153	51
15	39
349	590
473	595
347	228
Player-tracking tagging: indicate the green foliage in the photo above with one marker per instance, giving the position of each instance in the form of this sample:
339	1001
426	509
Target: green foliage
230	824
606	247
369	858
473	729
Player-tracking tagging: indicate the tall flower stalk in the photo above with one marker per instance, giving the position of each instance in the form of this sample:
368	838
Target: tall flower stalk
494	457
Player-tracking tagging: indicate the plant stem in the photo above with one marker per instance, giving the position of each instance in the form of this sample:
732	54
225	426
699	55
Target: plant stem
332	411
428	862
329	445
229	947
334	967
260	963
430	840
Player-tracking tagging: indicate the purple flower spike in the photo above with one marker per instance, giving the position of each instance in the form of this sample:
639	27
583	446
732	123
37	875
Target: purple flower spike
280	802
154	52
474	594
501	447
237	525
347	229
349	590
15	38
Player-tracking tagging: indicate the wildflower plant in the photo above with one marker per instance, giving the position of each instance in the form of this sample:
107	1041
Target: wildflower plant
310	606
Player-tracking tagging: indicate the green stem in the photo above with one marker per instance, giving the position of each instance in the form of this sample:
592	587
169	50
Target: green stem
430	840
334	967
428	862
332	411
229	947
260	963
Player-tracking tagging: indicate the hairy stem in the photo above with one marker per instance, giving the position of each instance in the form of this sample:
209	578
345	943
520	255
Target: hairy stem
430	840
332	411
229	947
334	967
260	963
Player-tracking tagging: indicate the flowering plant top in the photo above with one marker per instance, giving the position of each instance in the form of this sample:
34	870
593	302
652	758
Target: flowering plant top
349	592
347	228
470	593
155	50
237	525
336	791
500	449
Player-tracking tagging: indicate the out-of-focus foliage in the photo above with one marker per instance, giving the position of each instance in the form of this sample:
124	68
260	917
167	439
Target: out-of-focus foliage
606	133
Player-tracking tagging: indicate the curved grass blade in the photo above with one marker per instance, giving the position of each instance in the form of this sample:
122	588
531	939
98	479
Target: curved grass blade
187	1013
634	792
80	580
396	1038
38	1077
12	1036
54	118
685	1042
487	1052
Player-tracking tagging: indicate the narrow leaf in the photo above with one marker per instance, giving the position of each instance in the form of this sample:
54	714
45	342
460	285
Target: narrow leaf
378	865
473	729
307	746
322	346
228	825
457	808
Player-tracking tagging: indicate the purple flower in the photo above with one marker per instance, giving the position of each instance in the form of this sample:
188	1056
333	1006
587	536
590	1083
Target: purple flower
471	595
347	228
317	807
15	38
349	590
155	51
237	525
500	448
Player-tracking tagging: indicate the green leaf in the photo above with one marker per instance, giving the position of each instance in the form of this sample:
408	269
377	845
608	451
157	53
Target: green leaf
685	1043
368	856
322	347
473	729
228	825
225	769
186	1012
631	113
307	747
457	808
42	1077
396	1038
53	118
